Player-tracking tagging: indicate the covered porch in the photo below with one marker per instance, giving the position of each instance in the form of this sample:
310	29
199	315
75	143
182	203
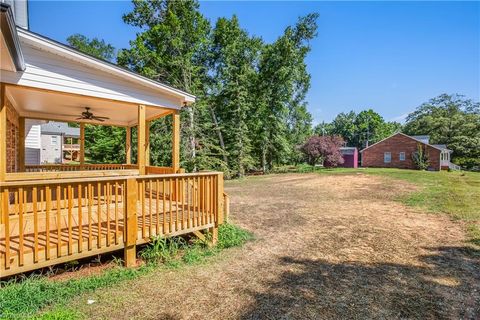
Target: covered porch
54	213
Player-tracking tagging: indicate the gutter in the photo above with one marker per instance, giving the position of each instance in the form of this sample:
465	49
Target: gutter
9	31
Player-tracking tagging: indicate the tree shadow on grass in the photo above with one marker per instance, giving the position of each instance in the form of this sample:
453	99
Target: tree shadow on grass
449	287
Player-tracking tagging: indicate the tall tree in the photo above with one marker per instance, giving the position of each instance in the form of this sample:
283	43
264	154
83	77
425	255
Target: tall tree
171	48
282	86
452	120
234	55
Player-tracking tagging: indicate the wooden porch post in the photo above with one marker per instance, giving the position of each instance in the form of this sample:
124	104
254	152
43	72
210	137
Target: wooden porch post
3	132
82	143
21	144
176	141
147	143
128	146
141	139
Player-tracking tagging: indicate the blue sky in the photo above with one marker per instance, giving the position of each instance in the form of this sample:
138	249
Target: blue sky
389	56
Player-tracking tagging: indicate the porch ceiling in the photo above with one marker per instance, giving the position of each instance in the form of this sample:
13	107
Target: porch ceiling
52	105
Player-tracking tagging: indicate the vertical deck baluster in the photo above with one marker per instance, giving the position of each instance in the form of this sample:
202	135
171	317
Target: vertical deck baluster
142	197
214	198
207	199
80	217
116	212
188	193
202	197
164	230
89	213
176	203
59	228
182	201
157	205
48	207
150	225
99	215
70	219
35	224
107	189
196	211
20	225
6	220
170	195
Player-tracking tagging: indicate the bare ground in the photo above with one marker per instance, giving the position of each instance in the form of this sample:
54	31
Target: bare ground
326	247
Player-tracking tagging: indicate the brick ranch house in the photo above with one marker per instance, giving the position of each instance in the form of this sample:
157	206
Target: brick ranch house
396	152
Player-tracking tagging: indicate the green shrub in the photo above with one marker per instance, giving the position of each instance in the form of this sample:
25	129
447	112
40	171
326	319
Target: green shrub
162	249
229	235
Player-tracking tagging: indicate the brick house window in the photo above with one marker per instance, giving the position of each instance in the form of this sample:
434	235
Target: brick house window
402	156
387	157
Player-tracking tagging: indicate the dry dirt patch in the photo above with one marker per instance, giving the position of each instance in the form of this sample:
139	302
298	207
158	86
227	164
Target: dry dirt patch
327	246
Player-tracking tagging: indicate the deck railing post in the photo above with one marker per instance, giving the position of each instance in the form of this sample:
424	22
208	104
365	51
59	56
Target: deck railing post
226	206
220	202
130	222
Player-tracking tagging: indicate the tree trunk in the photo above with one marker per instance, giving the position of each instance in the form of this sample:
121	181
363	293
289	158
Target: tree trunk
220	135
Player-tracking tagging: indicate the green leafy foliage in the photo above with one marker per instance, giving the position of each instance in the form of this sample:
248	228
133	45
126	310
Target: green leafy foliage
230	235
452	120
94	47
250	112
162	249
420	157
359	129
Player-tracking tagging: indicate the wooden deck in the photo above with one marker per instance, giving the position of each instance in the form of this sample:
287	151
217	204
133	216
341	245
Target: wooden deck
62	221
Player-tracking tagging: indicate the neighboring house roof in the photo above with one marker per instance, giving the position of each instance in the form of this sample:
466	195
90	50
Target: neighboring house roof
423	138
347	150
442	146
438	147
60	128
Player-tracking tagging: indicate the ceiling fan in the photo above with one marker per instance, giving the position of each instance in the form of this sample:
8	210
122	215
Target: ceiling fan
87	115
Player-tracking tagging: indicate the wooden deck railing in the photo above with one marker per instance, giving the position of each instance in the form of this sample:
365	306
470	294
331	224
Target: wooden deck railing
48	222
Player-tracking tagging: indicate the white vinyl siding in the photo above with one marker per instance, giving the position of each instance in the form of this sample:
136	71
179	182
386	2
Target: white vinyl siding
402	156
387	157
52	72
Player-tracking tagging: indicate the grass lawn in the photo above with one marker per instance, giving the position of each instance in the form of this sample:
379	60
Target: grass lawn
454	193
161	253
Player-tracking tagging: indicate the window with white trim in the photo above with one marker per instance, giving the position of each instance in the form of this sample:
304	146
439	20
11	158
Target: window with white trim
387	157
402	156
54	140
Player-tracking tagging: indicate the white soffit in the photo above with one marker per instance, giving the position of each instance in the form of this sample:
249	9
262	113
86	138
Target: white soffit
48	105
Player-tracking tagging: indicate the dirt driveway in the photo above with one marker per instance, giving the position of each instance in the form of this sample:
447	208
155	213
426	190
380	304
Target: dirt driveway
327	246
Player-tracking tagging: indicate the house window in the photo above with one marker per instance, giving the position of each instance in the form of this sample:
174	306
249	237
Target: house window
387	157
402	156
54	140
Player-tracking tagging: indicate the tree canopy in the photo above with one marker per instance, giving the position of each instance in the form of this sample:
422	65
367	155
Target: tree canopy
452	120
251	111
359	129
